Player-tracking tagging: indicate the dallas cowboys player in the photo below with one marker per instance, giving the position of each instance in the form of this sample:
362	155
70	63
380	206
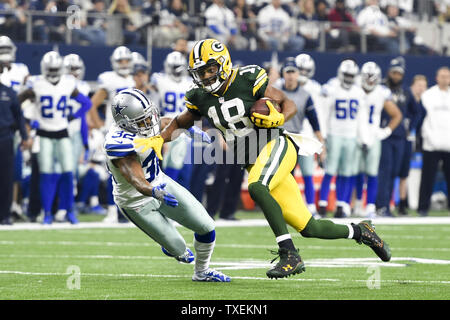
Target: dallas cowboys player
344	99
146	195
172	85
51	92
110	83
368	152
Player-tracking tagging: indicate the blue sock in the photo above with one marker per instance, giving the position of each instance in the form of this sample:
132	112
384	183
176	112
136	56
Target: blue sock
91	182
359	184
206	238
341	187
325	187
47	185
372	185
309	189
349	189
66	194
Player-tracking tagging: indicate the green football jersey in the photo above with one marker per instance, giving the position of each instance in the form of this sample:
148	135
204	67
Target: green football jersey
230	113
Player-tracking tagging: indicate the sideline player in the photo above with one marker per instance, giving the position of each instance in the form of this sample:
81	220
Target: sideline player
109	84
344	100
368	152
52	91
172	85
294	90
148	197
225	96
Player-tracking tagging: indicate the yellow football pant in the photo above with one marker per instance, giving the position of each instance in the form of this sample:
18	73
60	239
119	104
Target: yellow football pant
273	168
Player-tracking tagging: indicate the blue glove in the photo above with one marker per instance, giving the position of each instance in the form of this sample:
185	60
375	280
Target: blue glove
34	124
159	193
197	132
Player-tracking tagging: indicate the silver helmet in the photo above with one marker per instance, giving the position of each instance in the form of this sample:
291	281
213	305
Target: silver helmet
134	112
73	64
347	72
175	65
306	66
119	54
7	50
370	75
52	66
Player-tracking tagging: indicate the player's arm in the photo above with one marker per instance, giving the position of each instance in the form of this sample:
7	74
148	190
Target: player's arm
83	100
288	108
97	99
184	120
130	168
396	117
25	95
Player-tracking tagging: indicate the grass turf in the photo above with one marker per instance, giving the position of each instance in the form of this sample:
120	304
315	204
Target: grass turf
125	264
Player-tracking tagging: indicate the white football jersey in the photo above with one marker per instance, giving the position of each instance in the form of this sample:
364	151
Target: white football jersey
113	83
15	76
374	107
341	107
52	100
73	106
171	93
118	144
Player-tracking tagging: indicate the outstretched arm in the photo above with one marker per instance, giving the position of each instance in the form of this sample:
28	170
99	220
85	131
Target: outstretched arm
184	120
130	168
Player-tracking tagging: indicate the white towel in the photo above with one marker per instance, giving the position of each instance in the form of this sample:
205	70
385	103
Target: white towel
307	146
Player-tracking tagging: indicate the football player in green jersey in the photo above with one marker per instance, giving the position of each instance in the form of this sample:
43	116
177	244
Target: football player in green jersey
225	95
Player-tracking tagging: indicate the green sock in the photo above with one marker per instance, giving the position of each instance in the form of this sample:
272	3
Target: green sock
326	229
272	210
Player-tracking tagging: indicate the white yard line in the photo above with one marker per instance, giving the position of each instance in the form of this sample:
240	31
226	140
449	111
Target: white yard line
224	223
187	277
350	247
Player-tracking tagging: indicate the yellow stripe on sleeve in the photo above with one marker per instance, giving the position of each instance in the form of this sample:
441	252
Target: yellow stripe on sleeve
259	83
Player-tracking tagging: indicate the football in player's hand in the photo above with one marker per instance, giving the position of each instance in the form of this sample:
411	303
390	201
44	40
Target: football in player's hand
261	107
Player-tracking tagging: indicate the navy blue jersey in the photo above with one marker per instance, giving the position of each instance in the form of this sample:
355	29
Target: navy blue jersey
11	118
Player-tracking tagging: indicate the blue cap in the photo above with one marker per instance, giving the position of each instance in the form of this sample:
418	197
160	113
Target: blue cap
397	64
289	64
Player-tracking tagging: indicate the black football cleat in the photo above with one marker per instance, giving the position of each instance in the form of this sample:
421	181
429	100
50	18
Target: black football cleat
290	263
371	239
322	211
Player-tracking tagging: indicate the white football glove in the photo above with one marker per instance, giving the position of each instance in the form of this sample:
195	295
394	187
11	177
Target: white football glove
383	133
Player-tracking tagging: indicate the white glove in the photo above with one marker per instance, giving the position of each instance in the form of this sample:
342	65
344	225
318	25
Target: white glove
383	133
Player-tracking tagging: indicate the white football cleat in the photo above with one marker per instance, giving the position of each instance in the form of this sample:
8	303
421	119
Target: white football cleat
210	275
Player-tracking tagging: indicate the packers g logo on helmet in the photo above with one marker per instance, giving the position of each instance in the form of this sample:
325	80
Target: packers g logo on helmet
204	54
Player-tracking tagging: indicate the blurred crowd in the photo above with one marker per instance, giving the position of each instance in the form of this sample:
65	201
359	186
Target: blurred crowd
240	24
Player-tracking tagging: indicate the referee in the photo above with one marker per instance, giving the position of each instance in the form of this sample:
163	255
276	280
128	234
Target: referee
11	119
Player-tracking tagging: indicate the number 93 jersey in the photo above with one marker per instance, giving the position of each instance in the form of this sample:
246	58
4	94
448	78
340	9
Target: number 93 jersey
171	93
230	112
52	101
119	144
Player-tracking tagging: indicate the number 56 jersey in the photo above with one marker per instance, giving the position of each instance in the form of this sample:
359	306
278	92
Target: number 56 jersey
119	144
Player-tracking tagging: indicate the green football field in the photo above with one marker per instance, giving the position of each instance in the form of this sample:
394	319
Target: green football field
121	262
